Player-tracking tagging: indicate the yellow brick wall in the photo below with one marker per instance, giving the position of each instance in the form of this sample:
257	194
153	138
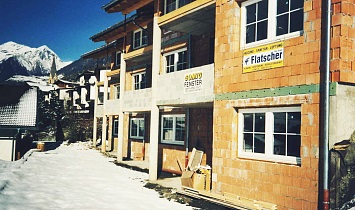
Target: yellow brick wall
289	186
342	41
301	54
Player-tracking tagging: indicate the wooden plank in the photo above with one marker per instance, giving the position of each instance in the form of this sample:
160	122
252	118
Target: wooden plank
231	200
136	6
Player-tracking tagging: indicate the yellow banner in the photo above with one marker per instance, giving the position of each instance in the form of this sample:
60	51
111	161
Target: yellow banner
263	57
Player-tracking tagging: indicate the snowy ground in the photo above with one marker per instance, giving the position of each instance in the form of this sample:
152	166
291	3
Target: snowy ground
75	177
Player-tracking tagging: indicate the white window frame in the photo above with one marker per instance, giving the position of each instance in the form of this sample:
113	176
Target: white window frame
173	140
140	38
115	131
271	36
118	59
140	75
269	123
176	59
116	91
136	135
177	6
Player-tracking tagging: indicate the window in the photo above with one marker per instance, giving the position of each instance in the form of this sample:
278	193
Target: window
139	81
270	134
100	98
171	5
136	130
269	20
140	38
115	127
117	91
118	59
176	61
173	129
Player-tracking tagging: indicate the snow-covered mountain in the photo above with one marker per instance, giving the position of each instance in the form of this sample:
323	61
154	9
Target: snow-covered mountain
17	59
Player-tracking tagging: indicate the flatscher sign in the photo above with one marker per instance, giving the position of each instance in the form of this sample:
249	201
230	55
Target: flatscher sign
193	82
263	57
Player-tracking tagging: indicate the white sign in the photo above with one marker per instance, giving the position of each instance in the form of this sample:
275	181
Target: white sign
193	82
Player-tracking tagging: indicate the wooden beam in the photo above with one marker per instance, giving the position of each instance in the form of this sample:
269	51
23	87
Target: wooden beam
136	6
138	52
185	10
112	73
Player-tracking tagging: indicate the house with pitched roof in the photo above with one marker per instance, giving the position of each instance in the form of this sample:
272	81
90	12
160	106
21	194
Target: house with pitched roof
18	114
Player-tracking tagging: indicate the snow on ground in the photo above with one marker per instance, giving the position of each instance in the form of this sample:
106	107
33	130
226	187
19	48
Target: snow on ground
75	177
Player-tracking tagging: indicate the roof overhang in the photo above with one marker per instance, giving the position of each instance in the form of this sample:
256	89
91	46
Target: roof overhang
125	6
197	18
117	31
104	50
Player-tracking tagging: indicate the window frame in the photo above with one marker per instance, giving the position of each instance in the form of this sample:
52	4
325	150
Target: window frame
116	91
140	74
176	59
144	30
173	141
177	5
114	131
118	59
269	132
139	120
271	26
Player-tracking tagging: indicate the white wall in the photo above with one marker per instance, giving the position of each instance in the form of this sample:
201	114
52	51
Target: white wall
7	149
342	114
138	100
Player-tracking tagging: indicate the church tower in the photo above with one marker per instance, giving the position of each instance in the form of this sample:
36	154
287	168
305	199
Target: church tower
53	73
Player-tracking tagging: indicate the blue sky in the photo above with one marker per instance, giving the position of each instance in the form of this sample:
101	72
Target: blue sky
65	26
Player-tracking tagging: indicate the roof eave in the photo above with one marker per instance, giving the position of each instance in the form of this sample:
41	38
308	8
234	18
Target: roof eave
96	37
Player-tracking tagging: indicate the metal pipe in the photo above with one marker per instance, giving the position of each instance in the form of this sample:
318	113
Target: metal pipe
187	136
125	34
14	145
325	89
136	24
189	52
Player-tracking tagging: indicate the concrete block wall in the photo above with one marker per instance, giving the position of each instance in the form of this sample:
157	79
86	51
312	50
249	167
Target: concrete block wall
138	100
176	94
112	107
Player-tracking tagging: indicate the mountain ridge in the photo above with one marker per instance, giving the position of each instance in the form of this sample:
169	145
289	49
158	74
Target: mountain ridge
18	59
